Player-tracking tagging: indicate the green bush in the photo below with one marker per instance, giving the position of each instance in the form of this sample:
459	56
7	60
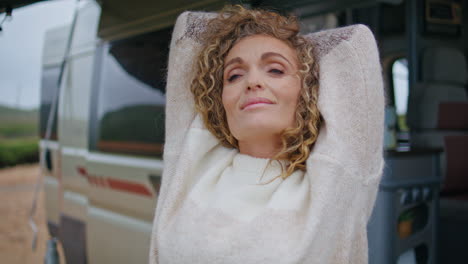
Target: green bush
18	129
18	151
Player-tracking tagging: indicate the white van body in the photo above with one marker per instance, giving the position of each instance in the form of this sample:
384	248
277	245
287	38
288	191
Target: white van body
116	224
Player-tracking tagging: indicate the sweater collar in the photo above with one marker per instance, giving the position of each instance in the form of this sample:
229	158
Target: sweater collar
255	168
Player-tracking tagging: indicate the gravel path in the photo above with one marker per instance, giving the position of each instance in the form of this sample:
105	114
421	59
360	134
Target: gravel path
16	196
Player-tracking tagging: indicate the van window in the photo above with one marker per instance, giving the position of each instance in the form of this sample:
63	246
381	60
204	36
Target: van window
49	89
131	97
400	91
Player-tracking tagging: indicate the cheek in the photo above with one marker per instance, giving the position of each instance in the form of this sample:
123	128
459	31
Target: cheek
291	93
228	101
229	98
298	88
291	99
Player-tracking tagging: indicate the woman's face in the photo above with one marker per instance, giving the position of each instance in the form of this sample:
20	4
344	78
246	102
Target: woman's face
261	87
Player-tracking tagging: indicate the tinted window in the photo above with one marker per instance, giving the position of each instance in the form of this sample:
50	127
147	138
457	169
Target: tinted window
131	97
49	88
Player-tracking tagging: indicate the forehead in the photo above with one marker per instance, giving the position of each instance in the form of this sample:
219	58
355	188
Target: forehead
256	45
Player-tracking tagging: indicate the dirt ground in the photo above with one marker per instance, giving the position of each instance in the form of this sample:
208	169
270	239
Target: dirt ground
16	195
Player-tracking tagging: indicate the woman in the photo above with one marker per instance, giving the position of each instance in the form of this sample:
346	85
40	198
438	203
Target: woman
249	177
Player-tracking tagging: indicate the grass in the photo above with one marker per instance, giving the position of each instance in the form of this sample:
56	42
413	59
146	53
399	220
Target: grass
18	129
17	151
18	136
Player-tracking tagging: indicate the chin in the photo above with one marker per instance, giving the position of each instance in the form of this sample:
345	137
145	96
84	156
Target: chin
259	128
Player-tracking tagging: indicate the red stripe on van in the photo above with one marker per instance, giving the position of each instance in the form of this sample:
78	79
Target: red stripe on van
129	187
103	182
82	171
99	181
92	180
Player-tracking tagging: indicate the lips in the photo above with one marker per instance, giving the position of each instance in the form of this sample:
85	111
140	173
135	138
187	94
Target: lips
254	101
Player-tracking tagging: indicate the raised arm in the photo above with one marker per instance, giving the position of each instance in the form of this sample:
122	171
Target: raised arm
345	166
180	111
351	100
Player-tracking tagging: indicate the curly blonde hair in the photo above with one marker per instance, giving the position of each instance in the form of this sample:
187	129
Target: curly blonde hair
231	25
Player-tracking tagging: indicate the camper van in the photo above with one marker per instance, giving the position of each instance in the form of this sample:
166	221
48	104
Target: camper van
102	123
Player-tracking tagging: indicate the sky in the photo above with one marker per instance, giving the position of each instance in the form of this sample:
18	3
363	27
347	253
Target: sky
21	44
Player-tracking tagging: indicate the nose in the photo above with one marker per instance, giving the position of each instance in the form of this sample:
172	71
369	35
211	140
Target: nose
253	87
254	81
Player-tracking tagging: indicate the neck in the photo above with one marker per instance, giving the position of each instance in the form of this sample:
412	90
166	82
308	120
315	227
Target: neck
264	147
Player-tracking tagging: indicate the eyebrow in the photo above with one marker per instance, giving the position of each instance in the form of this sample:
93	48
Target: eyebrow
235	60
266	55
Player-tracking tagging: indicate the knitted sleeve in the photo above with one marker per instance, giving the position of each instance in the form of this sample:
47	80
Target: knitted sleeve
351	100
180	114
345	166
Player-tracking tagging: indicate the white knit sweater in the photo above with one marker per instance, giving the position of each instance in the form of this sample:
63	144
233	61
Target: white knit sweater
215	205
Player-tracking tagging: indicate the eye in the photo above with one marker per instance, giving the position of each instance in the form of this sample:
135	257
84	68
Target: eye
276	71
233	77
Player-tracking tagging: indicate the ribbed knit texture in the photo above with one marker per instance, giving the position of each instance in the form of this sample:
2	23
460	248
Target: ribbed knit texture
215	206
